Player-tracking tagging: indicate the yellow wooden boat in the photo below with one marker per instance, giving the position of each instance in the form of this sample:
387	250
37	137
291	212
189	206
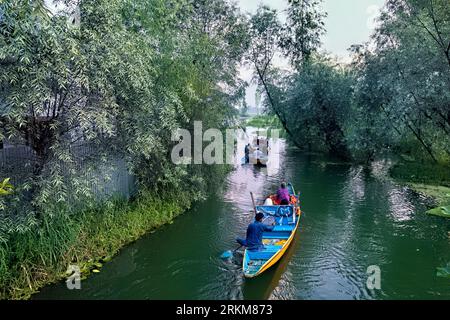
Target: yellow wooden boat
277	241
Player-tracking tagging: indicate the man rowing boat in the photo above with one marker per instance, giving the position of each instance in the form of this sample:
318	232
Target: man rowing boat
255	232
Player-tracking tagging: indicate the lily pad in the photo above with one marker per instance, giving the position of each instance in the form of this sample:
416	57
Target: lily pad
443	272
106	258
440	211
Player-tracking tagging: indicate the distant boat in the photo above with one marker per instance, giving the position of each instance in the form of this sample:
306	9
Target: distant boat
277	241
259	151
258	158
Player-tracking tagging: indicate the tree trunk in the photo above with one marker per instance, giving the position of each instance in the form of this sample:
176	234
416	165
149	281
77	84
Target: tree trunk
272	103
427	148
40	136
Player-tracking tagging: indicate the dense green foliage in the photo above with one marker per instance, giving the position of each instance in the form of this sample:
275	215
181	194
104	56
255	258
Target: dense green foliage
298	38
6	188
317	104
119	77
406	79
264	121
88	239
393	98
268	123
302	32
121	81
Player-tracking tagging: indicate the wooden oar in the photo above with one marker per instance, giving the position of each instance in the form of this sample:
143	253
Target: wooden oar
253	201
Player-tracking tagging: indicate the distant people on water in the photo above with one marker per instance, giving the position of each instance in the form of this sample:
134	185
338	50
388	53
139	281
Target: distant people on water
259	154
255	232
247	153
283	195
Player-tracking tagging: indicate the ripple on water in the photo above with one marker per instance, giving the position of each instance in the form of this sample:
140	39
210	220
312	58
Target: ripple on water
227	285
353	218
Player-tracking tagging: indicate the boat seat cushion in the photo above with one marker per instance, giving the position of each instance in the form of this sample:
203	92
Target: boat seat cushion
282	228
285	211
272	248
282	235
265	254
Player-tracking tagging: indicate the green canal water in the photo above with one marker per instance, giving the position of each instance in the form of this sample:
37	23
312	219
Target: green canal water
354	217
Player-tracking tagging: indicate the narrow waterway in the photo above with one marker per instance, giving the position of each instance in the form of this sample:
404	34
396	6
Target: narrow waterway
353	218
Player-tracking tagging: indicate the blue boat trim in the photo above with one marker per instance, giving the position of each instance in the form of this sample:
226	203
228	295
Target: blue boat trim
286	224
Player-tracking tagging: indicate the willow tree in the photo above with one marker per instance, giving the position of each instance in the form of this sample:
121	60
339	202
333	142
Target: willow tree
60	85
265	33
410	63
200	46
120	81
298	39
303	30
64	84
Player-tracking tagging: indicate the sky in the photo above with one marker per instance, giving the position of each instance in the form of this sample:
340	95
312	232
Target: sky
348	22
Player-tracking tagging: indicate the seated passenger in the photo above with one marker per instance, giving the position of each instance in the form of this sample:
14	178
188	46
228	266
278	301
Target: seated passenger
268	201
283	195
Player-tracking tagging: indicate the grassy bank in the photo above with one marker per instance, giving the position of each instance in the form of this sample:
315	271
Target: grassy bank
422	173
267	122
440	194
431	180
41	256
264	121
